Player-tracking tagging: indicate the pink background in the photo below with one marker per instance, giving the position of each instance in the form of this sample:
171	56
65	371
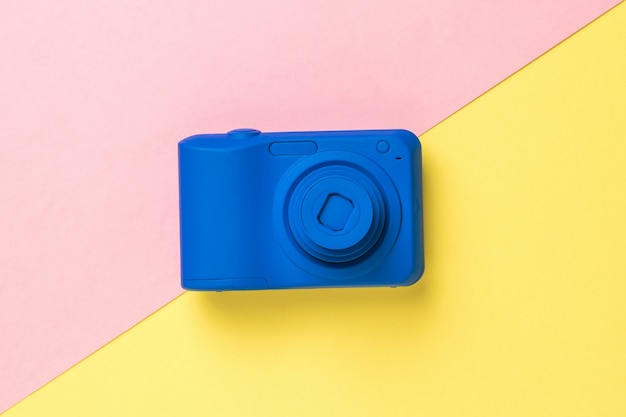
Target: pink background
94	97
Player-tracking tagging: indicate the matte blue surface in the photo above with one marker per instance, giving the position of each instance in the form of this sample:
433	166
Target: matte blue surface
300	209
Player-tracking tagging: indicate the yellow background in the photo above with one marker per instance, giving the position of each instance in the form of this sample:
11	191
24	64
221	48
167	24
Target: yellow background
521	312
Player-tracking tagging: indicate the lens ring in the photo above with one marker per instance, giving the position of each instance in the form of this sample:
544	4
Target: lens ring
356	224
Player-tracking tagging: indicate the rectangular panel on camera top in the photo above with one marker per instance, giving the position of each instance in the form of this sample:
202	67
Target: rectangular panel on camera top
293	148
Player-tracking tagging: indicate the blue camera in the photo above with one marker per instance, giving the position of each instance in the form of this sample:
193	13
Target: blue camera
300	209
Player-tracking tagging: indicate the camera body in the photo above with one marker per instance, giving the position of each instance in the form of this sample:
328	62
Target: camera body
300	209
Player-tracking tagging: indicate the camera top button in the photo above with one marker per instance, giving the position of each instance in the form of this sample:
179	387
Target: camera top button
243	133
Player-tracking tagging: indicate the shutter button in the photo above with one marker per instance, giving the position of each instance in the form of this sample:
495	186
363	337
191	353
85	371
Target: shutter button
243	133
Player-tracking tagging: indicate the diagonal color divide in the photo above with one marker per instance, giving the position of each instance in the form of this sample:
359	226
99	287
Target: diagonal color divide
520	312
94	97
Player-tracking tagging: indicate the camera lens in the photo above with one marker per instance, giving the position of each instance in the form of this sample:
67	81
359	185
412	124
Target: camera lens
336	214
